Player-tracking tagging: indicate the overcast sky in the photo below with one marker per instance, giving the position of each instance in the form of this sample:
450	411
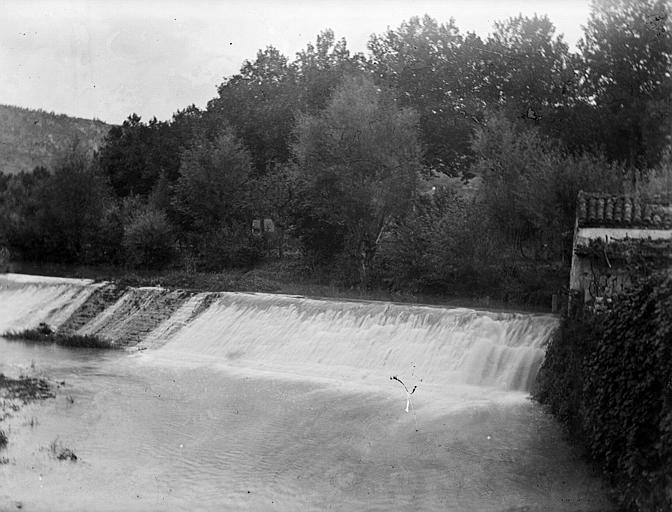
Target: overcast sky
111	58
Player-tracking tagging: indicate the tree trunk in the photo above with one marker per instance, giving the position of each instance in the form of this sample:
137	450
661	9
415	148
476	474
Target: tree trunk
366	255
367	251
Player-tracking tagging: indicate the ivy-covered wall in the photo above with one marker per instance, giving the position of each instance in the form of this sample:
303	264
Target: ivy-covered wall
608	377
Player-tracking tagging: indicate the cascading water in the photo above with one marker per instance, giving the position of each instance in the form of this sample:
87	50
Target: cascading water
27	301
314	338
365	341
236	401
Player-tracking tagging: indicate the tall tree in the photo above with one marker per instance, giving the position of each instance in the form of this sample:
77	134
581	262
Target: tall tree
75	201
260	103
529	70
436	71
627	50
137	155
213	204
211	189
529	186
321	67
358	163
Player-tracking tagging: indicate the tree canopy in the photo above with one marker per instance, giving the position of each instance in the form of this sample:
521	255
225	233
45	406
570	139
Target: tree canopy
359	161
469	149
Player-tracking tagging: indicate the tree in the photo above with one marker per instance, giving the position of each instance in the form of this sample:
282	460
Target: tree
148	238
74	204
436	71
211	188
23	204
212	201
358	164
530	184
58	216
627	51
124	157
529	71
426	249
137	155
321	67
259	104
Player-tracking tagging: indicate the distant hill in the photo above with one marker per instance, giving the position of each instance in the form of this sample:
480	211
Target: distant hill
29	138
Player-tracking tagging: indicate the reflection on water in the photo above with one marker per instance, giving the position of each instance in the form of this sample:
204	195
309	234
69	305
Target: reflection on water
196	436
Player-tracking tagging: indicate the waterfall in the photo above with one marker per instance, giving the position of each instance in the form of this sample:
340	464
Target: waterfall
340	340
27	301
336	339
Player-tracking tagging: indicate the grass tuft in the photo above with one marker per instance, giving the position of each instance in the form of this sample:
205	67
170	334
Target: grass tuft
14	392
60	452
44	334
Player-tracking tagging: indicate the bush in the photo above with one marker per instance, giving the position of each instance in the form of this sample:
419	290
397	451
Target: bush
559	383
226	248
106	244
609	379
426	247
148	239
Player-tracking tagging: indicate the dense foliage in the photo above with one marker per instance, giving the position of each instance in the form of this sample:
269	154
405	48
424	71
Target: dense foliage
358	165
439	162
609	378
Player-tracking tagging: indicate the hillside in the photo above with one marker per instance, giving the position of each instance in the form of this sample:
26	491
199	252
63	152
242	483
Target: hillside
29	138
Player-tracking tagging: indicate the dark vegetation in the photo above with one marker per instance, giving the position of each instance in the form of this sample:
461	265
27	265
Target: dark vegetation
608	378
44	334
439	163
24	389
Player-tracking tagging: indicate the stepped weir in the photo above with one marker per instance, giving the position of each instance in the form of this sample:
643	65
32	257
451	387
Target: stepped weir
334	339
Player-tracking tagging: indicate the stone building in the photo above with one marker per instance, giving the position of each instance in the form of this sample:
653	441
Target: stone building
617	240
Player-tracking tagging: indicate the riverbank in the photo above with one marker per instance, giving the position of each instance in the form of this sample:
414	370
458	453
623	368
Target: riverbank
286	277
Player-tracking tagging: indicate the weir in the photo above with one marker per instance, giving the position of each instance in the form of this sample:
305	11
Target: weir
338	340
255	401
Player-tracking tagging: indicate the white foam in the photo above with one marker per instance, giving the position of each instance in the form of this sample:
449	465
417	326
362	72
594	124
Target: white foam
364	341
31	279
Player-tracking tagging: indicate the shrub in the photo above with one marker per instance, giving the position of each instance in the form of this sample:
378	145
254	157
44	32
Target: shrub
560	380
425	248
226	248
148	239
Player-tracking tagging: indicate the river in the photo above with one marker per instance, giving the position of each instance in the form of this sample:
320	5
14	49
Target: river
263	402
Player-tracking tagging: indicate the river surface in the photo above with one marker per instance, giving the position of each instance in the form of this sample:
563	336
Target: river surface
248	422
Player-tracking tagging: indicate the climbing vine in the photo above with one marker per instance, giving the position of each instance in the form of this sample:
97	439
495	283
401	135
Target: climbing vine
608	377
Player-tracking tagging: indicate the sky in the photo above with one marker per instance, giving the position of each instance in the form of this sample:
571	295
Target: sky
108	59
